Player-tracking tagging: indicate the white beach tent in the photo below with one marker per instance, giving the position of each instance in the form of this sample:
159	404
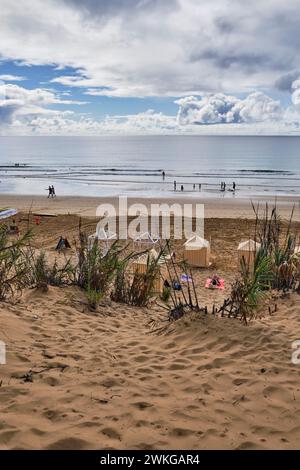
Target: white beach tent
247	251
140	266
103	235
197	251
4	214
146	240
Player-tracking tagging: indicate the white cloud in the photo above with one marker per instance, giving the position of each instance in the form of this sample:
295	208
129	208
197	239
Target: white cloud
12	78
223	109
296	92
16	101
250	118
156	48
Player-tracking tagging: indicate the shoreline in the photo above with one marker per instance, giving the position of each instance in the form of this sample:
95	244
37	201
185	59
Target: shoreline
86	206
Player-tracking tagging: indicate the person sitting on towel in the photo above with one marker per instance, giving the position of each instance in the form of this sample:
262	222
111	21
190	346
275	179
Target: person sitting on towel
215	280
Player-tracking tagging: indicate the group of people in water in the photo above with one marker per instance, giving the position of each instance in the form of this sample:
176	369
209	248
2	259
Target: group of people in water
182	187
51	191
195	186
223	186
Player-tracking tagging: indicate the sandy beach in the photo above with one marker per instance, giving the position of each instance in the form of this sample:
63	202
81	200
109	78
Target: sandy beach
87	206
125	378
149	231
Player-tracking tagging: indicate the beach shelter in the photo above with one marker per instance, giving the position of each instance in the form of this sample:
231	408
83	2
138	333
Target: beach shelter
247	251
140	266
146	240
103	235
197	252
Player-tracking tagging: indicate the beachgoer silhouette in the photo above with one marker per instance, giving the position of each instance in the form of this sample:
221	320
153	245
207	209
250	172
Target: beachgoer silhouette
224	186
199	186
50	191
53	191
194	186
163	175
233	186
174	185
182	188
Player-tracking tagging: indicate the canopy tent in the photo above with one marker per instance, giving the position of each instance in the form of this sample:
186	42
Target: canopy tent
4	214
146	239
196	242
140	266
249	245
151	255
247	251
197	251
103	235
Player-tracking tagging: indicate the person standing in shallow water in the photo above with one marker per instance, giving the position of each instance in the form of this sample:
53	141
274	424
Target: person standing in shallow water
233	186
163	175
175	184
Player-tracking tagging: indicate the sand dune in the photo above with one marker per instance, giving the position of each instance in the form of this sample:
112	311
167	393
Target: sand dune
77	380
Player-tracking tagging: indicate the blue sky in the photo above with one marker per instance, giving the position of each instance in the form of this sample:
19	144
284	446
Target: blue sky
100	106
149	66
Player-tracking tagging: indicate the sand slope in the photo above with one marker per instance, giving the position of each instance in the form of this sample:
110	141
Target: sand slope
109	380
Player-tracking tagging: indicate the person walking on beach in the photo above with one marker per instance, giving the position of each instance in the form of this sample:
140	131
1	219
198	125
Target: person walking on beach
182	188
194	186
199	186
233	186
163	175
53	191
222	185
50	191
175	185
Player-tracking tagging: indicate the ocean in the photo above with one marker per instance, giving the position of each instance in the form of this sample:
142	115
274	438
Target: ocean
133	165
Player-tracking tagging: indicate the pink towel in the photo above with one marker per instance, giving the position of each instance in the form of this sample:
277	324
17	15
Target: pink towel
209	285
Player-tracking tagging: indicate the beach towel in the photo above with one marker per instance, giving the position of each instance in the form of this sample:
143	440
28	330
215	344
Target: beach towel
219	283
186	278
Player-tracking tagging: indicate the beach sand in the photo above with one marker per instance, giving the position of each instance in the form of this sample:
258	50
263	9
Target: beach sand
125	378
233	207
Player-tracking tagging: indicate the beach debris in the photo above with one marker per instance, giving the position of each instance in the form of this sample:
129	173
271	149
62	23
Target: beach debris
62	244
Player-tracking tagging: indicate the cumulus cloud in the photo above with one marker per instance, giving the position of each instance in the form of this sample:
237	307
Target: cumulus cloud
153	47
35	111
285	82
296	92
62	124
223	109
17	101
